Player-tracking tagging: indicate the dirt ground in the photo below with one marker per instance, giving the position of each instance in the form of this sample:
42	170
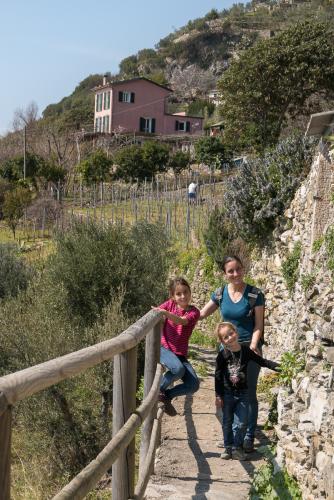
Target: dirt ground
188	464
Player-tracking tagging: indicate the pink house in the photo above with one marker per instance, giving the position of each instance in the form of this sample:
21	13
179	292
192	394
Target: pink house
139	105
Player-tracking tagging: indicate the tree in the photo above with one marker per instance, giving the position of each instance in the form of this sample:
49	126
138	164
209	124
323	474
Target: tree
179	161
95	168
272	80
140	162
211	151
25	117
14	205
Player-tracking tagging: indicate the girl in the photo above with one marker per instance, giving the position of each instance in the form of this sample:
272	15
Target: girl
242	305
231	387
180	320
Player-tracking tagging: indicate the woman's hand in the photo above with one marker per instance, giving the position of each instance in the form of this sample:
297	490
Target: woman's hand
255	348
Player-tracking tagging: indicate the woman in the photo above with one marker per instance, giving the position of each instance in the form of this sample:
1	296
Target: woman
243	306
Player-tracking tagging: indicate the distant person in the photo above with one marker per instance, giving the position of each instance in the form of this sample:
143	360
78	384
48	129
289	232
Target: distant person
243	306
231	388
180	320
192	192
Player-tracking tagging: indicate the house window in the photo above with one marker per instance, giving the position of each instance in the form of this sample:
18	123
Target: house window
147	125
105	124
98	124
99	98
126	96
182	126
106	100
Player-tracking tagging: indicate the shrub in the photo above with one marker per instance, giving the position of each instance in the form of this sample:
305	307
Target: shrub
14	273
307	280
317	244
257	196
95	264
291	363
290	267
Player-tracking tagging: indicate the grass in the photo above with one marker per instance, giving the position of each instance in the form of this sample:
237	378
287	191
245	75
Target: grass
202	339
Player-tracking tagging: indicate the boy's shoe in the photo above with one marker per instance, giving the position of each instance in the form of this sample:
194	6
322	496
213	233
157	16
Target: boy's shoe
167	405
227	454
248	446
239	454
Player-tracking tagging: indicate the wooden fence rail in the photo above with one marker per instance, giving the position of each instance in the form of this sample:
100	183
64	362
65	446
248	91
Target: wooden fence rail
119	452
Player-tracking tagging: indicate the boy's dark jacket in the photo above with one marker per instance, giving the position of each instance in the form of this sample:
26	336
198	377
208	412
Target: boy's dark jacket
226	361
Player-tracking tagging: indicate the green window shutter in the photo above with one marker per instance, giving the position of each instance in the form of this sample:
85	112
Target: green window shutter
132	99
120	96
141	124
153	126
176	125
187	126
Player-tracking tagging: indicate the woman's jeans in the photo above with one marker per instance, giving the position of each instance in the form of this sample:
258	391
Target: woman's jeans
178	368
235	413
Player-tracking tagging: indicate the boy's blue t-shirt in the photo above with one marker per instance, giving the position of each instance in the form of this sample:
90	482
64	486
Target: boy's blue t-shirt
239	313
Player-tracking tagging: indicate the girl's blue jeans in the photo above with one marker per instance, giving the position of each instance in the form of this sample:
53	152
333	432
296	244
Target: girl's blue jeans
178	368
235	414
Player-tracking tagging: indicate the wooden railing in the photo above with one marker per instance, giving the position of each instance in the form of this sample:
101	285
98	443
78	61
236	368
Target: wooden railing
120	451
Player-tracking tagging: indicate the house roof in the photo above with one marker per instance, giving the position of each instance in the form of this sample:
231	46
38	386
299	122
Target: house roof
119	82
319	123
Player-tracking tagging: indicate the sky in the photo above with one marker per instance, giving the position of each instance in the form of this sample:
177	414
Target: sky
47	47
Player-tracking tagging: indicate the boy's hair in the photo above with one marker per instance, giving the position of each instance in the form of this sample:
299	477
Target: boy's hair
231	258
177	281
222	324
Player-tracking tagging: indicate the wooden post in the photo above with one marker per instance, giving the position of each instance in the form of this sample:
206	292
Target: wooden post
124	403
5	453
152	357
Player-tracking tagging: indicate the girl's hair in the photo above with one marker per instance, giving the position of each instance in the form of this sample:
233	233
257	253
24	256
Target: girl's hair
231	258
225	323
177	281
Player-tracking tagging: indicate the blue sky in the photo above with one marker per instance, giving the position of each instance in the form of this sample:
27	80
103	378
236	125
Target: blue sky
47	47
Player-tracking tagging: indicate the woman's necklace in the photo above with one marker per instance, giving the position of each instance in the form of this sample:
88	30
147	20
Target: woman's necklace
236	294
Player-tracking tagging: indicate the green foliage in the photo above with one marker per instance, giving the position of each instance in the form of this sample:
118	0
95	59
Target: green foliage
14	273
202	339
141	162
95	264
263	188
317	244
211	151
217	235
273	79
15	202
268	485
4	187
76	110
179	161
291	364
201	107
329	242
186	262
307	280
290	267
96	167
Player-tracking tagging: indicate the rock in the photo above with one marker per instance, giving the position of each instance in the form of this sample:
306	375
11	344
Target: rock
322	461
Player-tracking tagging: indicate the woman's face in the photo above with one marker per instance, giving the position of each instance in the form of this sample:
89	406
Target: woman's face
234	272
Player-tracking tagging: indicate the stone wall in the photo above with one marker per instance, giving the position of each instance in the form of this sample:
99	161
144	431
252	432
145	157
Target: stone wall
304	320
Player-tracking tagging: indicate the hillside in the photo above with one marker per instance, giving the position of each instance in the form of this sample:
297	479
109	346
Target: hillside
192	58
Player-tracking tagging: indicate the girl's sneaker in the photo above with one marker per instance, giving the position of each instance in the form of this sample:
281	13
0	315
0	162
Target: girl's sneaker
167	405
227	454
239	454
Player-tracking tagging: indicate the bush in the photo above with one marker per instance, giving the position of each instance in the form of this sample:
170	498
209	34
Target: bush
258	195
290	267
291	363
95	264
329	241
14	273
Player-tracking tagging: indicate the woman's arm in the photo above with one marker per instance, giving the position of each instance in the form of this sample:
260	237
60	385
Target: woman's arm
208	309
258	328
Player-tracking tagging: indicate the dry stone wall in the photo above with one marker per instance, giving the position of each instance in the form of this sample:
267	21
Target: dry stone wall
304	320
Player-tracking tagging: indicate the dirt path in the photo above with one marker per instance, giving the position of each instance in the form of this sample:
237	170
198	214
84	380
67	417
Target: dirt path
188	464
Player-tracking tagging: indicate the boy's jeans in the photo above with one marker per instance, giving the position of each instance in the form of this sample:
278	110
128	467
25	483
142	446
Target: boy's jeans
235	414
178	368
